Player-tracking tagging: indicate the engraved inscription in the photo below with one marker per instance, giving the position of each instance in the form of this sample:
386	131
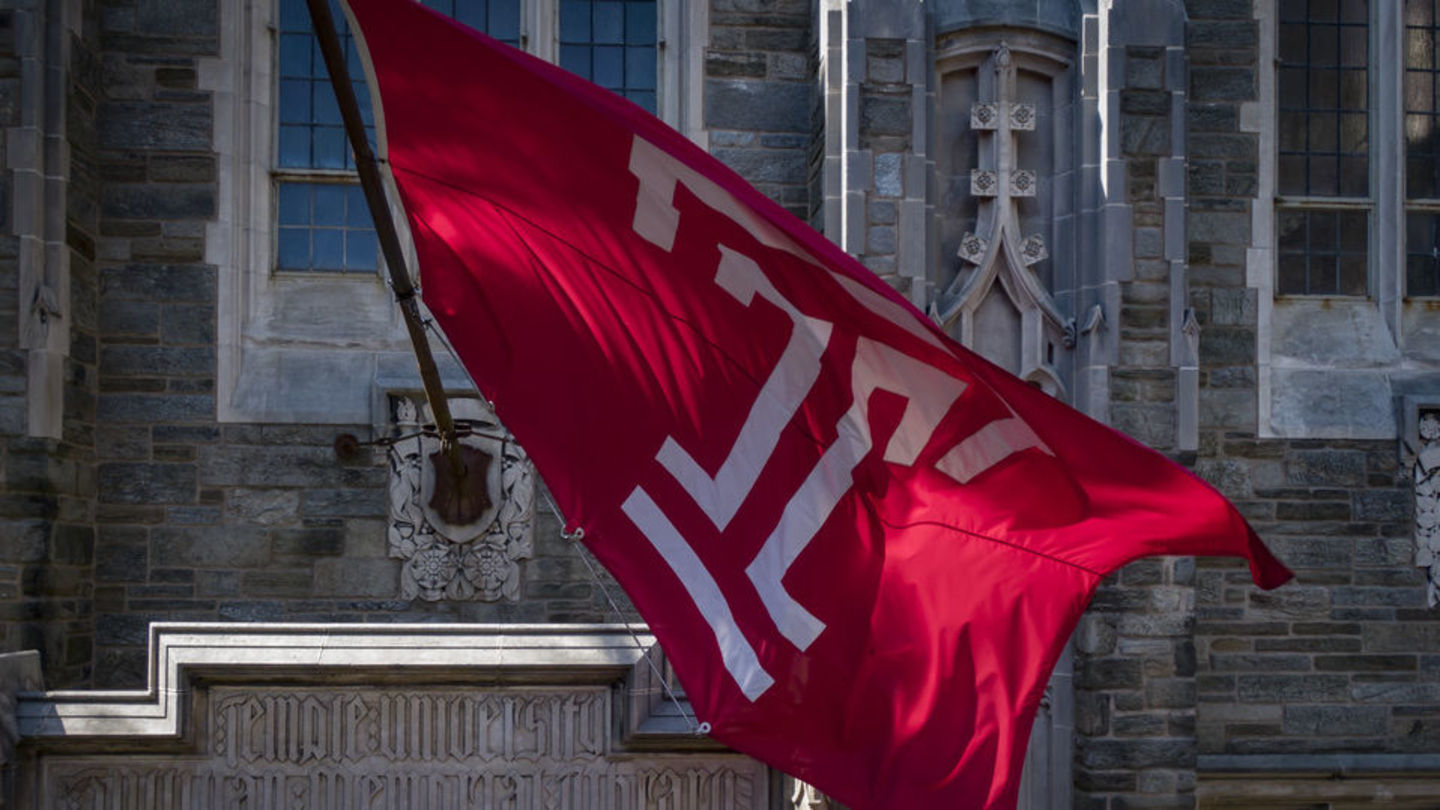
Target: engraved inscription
303	728
403	749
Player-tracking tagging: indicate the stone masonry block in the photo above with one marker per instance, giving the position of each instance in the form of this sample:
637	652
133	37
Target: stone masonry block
1222	83
765	165
265	507
1312	552
1222	227
1110	673
128	407
1383	551
1309	688
176	17
1388	692
757	105
882	114
158	283
1134	754
131	318
729	63
364	578
165	361
158	201
209	547
1170	693
343	503
1334	721
1326	467
1290	602
188	323
140	483
889	181
327	541
1366	663
150	125
273	466
1382	506
1402	637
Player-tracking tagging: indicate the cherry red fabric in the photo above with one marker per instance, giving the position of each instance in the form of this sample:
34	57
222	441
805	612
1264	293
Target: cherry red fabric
944	603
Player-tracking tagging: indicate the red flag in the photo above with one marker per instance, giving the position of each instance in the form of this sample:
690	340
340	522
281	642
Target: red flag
862	547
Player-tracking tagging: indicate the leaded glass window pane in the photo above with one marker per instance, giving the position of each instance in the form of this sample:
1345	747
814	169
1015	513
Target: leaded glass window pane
613	44
1421	143
1422	253
1322	252
326	226
1322	83
1323	98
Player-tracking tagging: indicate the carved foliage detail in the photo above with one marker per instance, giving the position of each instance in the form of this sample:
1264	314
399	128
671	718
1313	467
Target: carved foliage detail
1427	501
479	561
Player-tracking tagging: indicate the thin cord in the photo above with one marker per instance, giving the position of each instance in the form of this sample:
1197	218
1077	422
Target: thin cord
579	534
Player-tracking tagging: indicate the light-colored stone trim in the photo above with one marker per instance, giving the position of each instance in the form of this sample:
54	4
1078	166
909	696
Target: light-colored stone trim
1297	358
575	653
38	157
323	348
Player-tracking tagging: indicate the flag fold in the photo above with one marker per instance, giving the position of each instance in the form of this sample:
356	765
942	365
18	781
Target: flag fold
862	547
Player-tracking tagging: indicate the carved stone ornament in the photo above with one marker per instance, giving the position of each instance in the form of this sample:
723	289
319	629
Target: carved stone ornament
1427	502
1022	183
983	183
980	304
476	560
972	248
984	116
1022	116
1033	249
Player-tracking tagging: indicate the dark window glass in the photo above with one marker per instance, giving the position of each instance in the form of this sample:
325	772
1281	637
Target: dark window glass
327	226
1324	145
1421	143
324	227
613	44
1321	252
1323	98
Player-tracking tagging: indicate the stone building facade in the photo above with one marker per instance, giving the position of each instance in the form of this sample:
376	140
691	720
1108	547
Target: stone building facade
1210	224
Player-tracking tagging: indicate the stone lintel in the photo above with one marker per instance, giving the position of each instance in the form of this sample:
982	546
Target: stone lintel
327	653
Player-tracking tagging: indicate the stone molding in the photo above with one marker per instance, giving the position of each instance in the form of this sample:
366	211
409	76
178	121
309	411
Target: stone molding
523	716
179	652
1300	781
38	157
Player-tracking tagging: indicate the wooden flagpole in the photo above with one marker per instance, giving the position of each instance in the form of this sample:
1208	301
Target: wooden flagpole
370	182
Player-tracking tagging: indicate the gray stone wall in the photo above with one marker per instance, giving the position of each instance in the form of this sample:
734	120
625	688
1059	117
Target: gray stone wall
1135	690
1343	660
47	533
760	95
1135	667
198	520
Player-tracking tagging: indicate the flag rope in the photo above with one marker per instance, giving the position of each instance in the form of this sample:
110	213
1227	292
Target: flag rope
578	534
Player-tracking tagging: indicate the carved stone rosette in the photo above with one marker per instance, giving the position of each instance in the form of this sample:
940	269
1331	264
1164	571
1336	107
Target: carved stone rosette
479	560
1427	500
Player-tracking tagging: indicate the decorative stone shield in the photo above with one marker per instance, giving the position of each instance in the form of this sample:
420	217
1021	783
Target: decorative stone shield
448	554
